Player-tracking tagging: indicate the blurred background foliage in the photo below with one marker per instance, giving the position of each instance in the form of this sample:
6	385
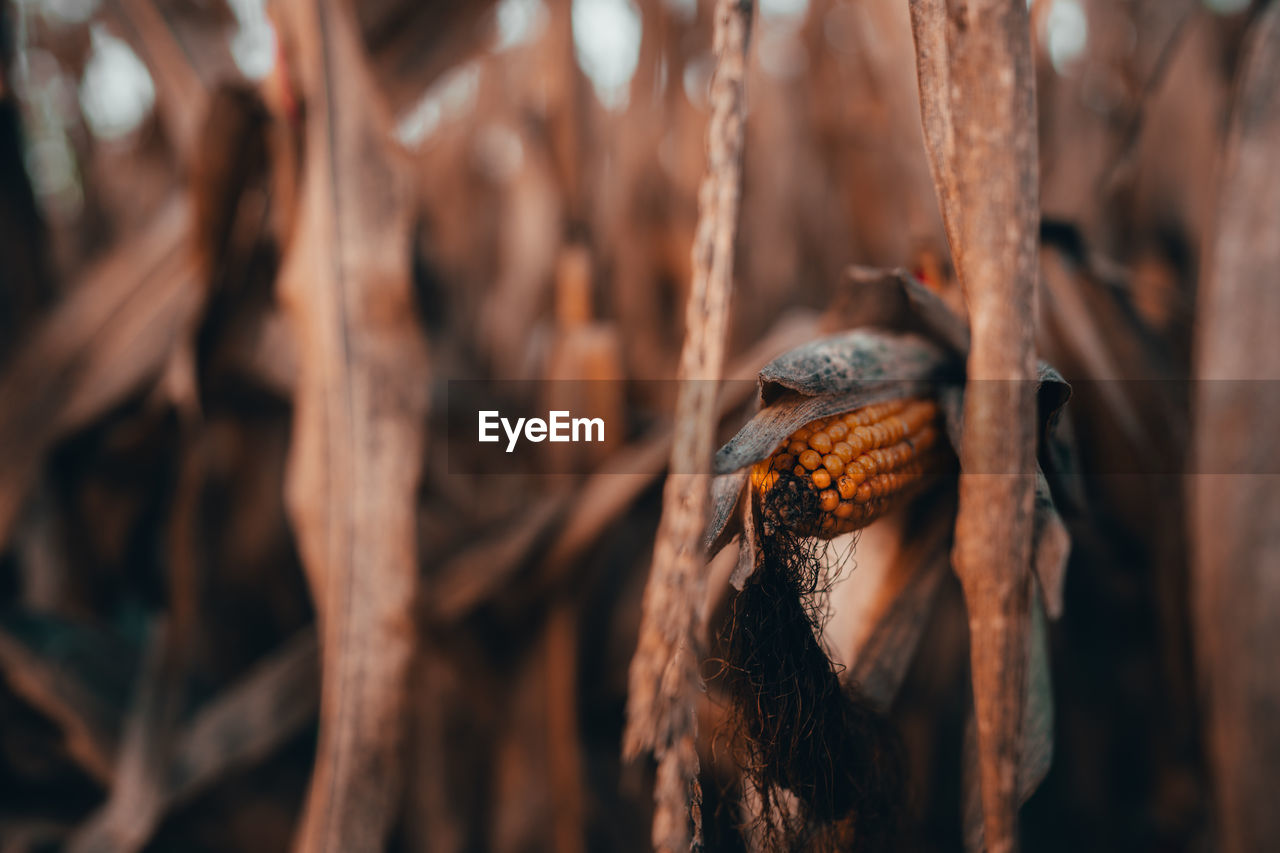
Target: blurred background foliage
555	148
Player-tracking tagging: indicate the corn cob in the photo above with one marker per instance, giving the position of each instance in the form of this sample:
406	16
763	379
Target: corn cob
838	474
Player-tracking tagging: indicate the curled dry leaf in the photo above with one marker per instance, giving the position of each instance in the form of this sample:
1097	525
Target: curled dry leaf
896	299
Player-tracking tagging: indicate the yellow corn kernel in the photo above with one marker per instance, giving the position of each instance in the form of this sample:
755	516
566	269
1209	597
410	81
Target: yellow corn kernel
856	466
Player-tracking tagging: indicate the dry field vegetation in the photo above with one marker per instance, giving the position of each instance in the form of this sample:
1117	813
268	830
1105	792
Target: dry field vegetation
960	533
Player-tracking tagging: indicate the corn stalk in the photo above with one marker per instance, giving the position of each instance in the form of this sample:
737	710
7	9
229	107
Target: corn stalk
664	680
356	449
977	103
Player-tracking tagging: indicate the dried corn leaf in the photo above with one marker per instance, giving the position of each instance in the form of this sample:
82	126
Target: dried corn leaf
80	678
356	452
184	64
900	603
136	800
412	43
830	376
726	500
1235	495
109	338
76	676
247	721
895	299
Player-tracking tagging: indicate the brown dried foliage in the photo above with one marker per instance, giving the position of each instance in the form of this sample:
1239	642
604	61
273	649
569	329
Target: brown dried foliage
230	307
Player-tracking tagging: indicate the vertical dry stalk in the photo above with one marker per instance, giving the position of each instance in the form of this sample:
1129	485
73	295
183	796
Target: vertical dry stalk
181	92
665	682
1235	493
978	109
356	450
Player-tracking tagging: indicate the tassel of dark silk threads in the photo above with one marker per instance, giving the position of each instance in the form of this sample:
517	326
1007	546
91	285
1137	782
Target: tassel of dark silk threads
797	728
